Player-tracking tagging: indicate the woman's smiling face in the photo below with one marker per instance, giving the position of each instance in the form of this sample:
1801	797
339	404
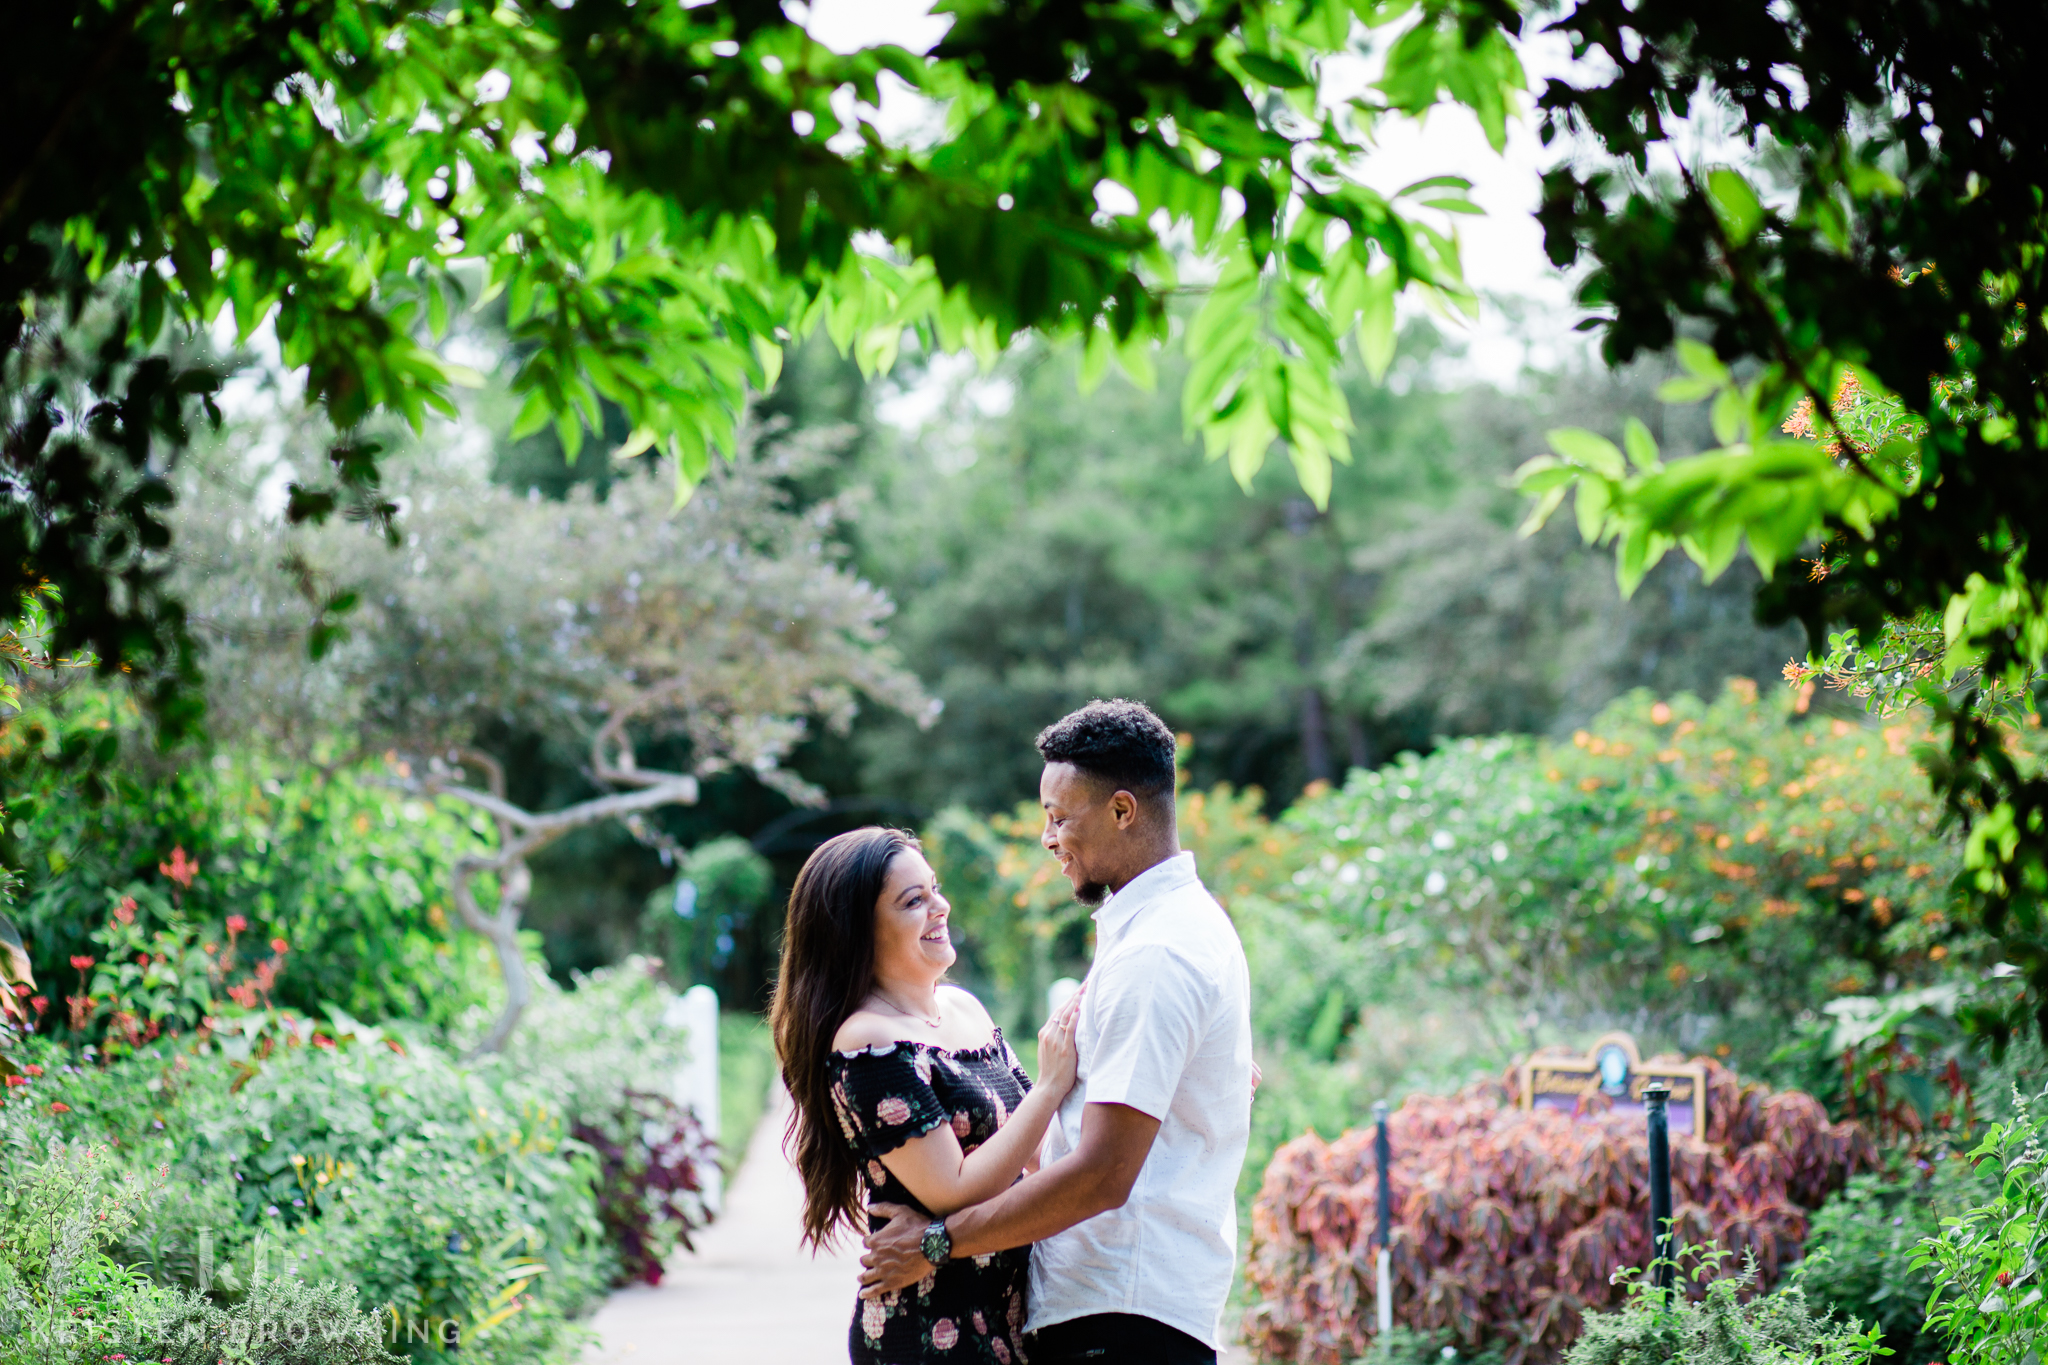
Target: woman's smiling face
913	941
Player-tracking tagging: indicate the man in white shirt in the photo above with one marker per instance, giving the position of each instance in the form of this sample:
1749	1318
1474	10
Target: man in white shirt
1132	1216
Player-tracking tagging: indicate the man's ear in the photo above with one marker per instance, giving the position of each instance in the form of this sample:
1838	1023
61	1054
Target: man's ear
1123	809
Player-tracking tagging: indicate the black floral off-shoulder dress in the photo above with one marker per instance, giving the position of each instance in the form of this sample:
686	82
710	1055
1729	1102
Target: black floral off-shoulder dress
972	1310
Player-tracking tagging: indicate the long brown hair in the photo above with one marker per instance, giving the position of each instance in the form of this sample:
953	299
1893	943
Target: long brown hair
828	967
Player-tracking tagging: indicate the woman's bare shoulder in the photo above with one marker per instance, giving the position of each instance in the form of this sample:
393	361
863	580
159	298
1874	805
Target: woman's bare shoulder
867	1028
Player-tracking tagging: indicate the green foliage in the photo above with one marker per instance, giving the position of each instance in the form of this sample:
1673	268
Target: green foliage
1861	1246
282	1321
1075	546
1405	1346
1986	1265
65	1300
1728	1325
351	873
746	1066
356	172
452	1200
1902	1063
723	884
1728	862
62	1298
1872	281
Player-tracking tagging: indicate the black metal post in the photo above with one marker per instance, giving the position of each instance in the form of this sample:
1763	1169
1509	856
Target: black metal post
1383	1154
1655	1096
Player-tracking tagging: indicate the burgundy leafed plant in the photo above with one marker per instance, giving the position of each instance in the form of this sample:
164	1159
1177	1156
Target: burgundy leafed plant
652	1159
1509	1224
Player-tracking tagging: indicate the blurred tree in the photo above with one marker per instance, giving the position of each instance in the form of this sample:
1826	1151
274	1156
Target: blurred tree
694	922
606	637
1069	547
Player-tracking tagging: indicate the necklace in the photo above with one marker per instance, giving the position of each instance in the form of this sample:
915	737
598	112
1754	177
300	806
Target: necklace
884	997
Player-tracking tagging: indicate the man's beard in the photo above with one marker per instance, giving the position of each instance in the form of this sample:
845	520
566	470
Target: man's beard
1092	894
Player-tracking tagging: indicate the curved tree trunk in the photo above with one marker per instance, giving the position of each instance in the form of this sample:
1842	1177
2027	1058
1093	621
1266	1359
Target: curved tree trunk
521	834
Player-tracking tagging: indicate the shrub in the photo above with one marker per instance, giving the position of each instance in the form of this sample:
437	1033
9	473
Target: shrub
1728	864
1862	1246
652	1161
281	1321
1990	1301
348	870
690	923
454	1198
1722	1321
1510	1224
1404	1346
62	1298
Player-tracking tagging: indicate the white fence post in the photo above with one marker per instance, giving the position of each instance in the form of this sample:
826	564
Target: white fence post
697	1083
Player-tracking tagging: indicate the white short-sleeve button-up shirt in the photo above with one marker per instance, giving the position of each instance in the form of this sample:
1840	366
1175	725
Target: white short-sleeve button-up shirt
1165	1029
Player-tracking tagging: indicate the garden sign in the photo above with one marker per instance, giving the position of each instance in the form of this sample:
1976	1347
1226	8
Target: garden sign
1611	1074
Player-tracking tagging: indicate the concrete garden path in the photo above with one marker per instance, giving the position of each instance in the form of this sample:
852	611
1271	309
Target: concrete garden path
748	1295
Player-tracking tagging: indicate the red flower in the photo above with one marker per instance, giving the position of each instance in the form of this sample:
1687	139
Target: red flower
125	911
59	1107
280	947
2004	1278
81	962
179	869
12	1081
236	924
40	1002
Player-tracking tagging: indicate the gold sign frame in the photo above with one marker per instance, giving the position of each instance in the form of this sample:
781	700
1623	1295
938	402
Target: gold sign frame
1560	1078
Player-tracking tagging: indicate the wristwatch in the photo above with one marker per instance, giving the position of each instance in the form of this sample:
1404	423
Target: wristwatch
937	1244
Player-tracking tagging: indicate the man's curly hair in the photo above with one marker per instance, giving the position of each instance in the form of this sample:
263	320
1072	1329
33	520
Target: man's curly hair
1119	742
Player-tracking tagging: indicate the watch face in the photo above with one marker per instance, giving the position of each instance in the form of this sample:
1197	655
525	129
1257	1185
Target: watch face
938	1247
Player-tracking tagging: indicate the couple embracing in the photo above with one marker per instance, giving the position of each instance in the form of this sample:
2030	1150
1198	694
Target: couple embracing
1088	1217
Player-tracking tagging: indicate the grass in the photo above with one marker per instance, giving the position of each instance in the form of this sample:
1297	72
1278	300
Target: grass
746	1062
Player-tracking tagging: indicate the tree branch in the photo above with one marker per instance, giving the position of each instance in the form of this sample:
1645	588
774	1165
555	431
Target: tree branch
515	879
623	771
1753	298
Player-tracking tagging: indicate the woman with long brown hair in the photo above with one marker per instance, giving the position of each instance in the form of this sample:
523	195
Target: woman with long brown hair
903	1084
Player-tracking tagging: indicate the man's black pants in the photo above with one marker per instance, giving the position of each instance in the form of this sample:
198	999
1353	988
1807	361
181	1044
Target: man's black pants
1115	1339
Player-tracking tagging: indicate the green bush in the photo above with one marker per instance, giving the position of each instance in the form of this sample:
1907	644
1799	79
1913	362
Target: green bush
1727	1325
282	1321
451	1198
690	923
343	866
1406	1346
62	1297
1731	864
1990	1301
1862	1247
